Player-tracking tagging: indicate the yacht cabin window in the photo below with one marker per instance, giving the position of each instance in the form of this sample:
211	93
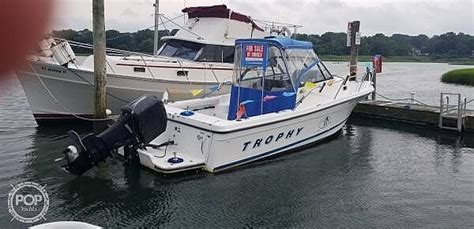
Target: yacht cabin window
198	52
181	49
217	53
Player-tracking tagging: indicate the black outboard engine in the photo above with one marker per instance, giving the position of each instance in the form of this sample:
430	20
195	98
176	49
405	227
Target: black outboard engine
141	121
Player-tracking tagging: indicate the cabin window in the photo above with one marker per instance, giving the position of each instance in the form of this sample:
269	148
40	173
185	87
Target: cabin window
211	53
181	49
228	54
217	53
139	69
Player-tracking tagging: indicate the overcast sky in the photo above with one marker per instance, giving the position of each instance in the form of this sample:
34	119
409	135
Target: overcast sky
316	16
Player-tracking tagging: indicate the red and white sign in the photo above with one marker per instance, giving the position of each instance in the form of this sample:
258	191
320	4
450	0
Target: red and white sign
254	52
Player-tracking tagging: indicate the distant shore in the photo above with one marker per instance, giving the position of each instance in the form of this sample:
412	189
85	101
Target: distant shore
418	59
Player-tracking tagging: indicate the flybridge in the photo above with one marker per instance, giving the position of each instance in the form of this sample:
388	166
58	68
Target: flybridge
219	11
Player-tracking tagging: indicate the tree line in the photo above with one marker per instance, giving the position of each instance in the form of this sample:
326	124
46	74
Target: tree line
446	45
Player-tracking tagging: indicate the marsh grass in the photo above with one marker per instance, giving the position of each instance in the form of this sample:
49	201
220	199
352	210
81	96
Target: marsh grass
459	76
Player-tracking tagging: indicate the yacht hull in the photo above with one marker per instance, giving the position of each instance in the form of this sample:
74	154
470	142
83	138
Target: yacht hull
57	92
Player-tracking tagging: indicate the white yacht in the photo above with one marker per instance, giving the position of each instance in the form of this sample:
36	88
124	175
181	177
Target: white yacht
195	62
282	97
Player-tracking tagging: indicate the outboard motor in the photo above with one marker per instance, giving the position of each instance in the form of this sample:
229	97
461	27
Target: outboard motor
140	122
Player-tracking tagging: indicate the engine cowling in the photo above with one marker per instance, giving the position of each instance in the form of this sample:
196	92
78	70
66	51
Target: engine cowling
140	122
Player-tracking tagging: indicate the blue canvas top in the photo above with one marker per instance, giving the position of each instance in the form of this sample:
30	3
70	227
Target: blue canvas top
282	42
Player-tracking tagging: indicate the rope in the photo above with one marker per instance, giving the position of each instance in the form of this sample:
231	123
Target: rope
60	105
162	23
417	101
182	27
148	67
472	100
91	84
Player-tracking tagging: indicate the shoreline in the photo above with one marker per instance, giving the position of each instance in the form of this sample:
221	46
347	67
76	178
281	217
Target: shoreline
412	59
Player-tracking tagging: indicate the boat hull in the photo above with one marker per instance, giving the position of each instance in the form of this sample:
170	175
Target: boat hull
251	145
56	92
220	151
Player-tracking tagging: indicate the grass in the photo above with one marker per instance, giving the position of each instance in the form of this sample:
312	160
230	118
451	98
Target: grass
459	76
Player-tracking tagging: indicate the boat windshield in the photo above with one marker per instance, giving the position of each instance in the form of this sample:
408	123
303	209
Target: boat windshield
198	52
262	84
274	76
181	49
305	66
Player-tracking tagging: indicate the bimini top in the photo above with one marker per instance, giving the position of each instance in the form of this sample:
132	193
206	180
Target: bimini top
219	11
282	42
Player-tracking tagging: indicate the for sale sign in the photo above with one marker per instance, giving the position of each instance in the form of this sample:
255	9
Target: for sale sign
253	54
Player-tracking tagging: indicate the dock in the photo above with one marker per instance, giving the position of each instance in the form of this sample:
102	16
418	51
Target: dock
416	114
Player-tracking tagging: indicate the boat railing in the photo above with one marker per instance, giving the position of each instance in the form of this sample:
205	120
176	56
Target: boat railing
144	58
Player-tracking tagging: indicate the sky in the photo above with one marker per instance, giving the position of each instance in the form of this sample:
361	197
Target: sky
411	17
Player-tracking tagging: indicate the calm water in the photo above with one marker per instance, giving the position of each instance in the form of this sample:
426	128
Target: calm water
398	80
374	174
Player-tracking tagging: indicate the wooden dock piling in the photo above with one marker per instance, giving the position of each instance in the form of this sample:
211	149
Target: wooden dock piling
100	70
354	42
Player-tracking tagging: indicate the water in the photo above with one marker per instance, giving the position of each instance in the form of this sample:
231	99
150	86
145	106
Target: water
374	174
398	80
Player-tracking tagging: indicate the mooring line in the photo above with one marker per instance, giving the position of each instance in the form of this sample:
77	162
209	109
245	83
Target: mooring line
60	105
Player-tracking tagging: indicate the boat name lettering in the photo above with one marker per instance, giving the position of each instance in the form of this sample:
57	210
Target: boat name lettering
49	69
271	138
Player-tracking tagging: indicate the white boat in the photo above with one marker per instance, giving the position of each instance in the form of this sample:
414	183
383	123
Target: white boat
65	224
282	98
195	62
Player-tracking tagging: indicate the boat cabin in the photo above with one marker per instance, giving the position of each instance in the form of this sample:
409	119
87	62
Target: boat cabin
269	73
209	34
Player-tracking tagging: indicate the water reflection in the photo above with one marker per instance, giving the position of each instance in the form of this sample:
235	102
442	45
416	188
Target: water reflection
372	174
445	143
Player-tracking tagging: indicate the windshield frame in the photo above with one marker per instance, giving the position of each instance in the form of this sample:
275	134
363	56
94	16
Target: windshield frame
299	66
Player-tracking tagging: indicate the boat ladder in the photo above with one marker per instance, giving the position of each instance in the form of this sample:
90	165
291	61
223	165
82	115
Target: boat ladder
452	111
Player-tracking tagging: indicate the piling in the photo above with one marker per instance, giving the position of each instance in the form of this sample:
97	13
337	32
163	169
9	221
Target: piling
100	70
354	36
374	84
